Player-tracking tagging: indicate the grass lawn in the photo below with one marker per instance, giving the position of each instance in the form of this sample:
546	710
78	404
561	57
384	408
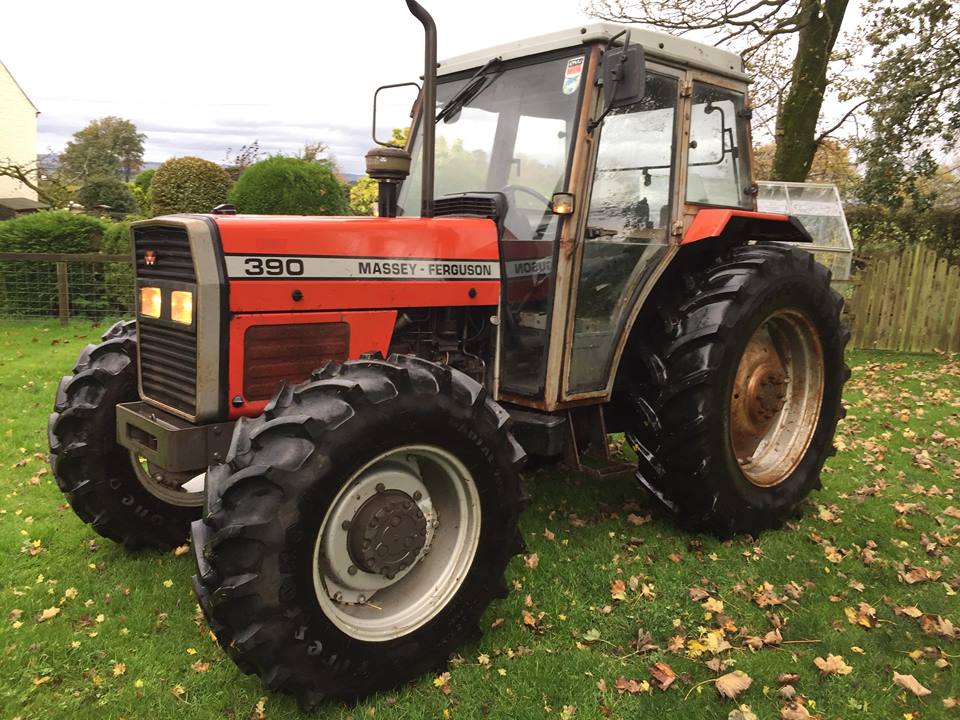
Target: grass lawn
870	572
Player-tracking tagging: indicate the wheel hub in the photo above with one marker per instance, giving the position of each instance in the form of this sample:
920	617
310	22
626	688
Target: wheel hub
387	533
767	394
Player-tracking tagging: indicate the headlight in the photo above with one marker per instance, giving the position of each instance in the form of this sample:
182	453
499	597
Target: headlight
181	306
150	302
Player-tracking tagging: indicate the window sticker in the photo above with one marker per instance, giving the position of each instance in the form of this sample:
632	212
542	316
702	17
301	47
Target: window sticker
571	75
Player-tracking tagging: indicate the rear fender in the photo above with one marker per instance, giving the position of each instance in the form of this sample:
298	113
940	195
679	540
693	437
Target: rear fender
744	225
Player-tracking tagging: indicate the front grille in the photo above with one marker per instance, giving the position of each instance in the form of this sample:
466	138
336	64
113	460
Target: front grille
171	252
168	365
168	353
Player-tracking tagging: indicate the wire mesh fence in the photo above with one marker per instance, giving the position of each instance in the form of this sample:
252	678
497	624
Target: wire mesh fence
50	285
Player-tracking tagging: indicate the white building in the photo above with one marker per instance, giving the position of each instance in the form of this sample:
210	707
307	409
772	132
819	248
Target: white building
18	133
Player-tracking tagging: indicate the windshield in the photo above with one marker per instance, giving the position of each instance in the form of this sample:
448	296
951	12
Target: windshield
513	136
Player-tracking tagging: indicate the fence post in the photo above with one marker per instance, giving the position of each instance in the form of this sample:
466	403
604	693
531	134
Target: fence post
63	292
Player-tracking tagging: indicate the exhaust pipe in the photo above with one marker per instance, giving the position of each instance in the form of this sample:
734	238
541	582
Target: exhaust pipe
428	104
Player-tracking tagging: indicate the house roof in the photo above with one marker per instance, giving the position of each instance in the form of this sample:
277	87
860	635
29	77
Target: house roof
18	204
7	70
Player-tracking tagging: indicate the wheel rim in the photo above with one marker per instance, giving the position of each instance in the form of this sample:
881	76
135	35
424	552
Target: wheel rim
180	489
396	543
776	397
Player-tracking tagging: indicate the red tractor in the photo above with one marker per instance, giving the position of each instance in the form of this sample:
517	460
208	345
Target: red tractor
340	406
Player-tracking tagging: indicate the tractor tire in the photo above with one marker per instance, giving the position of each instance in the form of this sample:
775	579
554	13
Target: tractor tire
736	391
311	491
99	477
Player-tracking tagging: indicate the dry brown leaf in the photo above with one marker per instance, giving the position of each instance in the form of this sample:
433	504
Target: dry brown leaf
794	711
638	519
533	561
742	713
732	684
698	594
662	675
788	678
631	686
865	615
618	589
833	665
909	682
549	535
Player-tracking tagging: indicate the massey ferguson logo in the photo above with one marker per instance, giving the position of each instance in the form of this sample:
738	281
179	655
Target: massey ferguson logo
150	258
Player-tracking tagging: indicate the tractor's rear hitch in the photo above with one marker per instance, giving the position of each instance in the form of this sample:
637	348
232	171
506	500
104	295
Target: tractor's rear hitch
169	442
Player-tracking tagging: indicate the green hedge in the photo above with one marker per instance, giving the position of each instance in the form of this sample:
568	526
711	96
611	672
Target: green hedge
31	287
289	186
880	231
188	185
117	277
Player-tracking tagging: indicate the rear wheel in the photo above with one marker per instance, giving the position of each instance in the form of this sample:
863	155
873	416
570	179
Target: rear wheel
359	528
735	395
112	489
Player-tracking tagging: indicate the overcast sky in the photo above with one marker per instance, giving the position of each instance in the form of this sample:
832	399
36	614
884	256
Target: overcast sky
199	77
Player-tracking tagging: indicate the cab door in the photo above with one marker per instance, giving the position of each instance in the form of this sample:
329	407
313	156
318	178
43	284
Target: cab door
627	239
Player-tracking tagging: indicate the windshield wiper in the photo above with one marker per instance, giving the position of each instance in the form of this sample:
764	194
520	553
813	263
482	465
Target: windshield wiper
468	92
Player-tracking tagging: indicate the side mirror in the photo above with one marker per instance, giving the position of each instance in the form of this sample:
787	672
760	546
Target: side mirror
624	74
397	109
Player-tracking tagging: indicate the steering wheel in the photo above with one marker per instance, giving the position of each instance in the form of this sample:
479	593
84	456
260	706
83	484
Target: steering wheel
510	192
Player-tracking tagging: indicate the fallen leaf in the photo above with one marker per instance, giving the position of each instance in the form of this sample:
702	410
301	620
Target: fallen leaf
49	613
259	711
742	713
181	550
638	519
732	684
119	669
662	675
618	589
713	605
794	711
549	535
533	561
909	682
631	686
200	666
833	665
568	712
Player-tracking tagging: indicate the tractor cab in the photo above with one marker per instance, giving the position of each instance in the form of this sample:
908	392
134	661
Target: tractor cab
599	144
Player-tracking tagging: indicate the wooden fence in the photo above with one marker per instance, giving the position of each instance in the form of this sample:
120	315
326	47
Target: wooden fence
908	302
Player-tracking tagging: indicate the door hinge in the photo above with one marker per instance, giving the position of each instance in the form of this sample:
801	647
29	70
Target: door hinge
678	228
686	89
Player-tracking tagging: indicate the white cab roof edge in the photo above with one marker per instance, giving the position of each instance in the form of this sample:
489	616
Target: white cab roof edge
657	46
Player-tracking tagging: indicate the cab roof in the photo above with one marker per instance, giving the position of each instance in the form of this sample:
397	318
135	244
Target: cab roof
659	46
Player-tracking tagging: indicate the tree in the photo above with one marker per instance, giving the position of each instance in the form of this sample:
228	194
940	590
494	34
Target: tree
289	186
913	98
188	185
108	191
144	178
363	196
832	163
48	188
246	156
764	32
107	146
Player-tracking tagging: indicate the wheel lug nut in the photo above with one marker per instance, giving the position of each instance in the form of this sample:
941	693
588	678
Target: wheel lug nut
381	487
417	495
345	525
362	599
338	597
352	569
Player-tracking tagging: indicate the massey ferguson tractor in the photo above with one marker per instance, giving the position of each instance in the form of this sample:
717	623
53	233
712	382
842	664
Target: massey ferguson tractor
337	407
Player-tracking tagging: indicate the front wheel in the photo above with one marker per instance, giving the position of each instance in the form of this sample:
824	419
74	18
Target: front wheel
734	424
359	528
118	493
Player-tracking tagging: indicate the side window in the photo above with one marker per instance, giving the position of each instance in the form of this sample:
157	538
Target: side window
716	172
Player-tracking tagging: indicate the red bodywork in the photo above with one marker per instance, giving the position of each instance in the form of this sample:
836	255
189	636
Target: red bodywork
714	222
329	291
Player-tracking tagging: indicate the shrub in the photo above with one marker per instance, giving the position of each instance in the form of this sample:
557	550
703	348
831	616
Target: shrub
108	191
117	277
878	230
144	178
289	186
33	285
188	185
